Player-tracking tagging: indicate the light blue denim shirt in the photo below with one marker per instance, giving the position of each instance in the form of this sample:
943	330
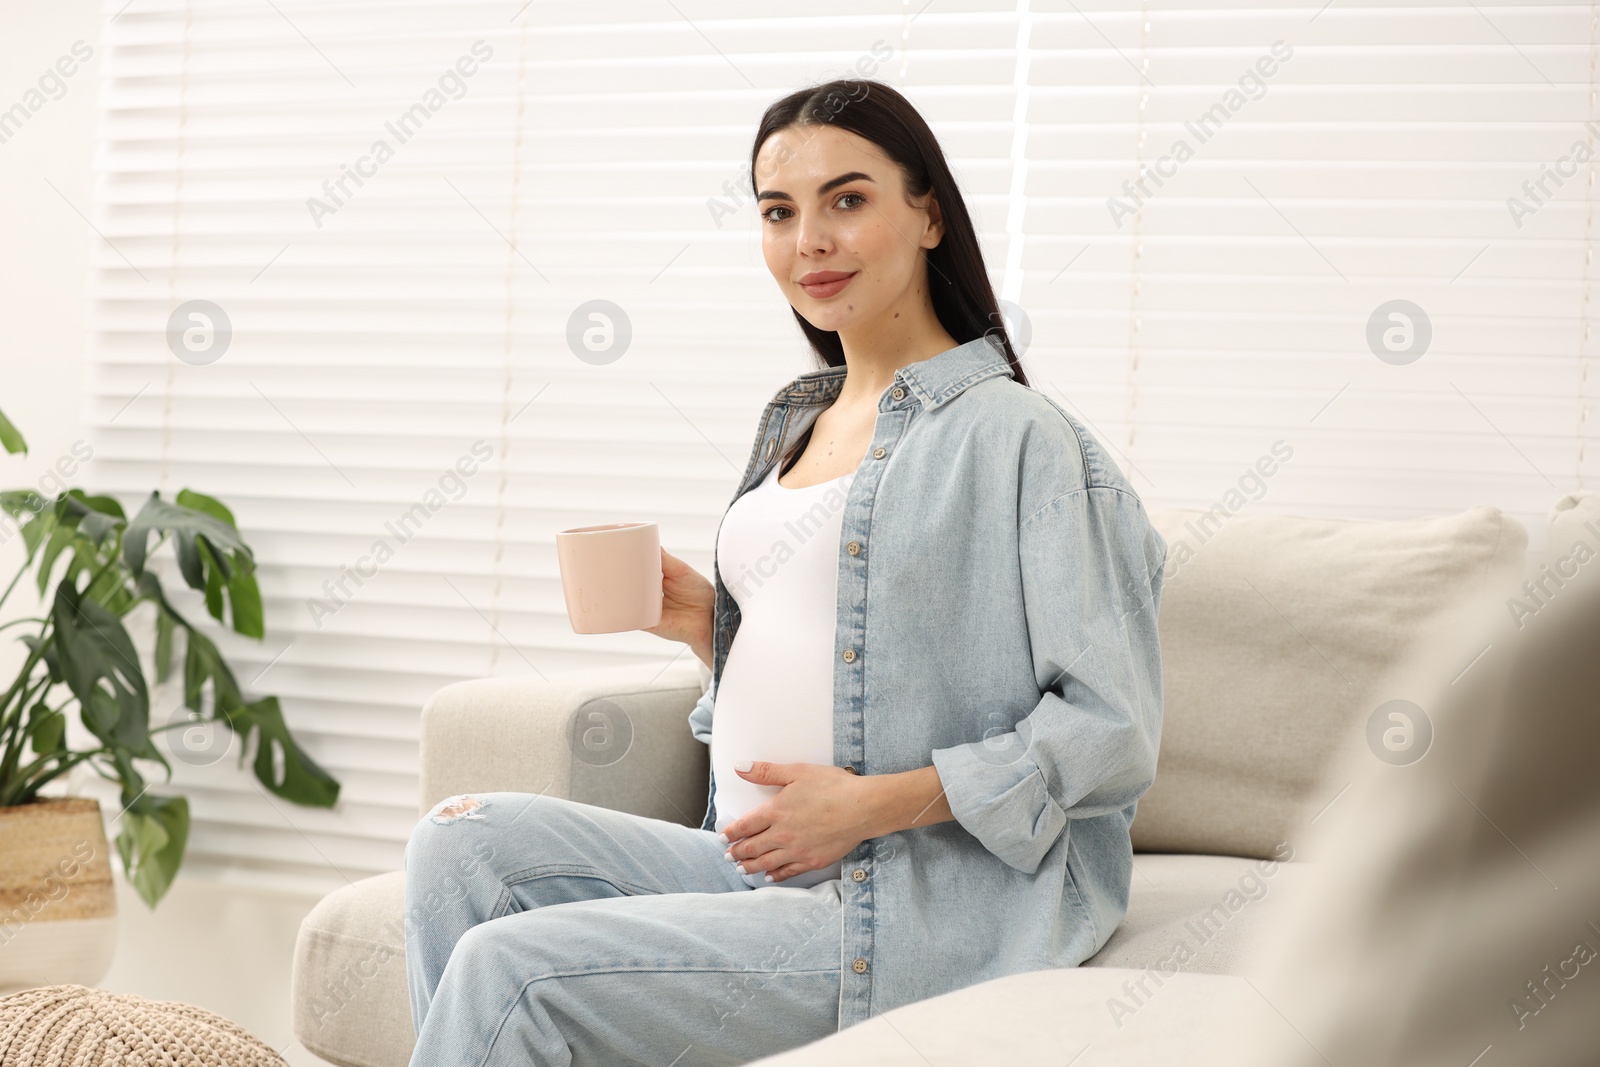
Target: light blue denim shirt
998	588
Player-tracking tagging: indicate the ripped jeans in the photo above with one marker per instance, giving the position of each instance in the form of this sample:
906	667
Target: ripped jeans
546	931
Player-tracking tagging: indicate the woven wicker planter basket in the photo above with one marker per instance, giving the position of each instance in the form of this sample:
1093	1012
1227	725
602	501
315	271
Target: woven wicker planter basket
58	905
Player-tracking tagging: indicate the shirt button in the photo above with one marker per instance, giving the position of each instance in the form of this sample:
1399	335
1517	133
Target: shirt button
854	548
859	966
877	453
898	393
849	655
859	875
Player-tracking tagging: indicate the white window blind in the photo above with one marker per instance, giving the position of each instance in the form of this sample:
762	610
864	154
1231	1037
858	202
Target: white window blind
598	152
394	309
1313	164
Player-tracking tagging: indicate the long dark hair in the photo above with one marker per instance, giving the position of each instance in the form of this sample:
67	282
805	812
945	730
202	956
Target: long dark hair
958	285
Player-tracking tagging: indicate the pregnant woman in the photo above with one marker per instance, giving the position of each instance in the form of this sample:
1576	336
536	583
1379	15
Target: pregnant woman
935	693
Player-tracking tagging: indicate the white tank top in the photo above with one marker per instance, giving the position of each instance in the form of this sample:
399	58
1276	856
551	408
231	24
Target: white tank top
778	554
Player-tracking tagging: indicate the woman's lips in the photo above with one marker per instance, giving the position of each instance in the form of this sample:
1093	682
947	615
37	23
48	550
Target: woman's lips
823	290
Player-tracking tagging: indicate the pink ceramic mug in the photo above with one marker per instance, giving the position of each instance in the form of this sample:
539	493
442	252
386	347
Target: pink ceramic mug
611	576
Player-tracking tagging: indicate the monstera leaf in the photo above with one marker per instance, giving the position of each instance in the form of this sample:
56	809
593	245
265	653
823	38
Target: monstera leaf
101	667
11	437
211	555
155	831
302	780
92	569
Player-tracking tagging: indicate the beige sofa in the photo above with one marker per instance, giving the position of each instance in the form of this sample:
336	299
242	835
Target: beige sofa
1278	636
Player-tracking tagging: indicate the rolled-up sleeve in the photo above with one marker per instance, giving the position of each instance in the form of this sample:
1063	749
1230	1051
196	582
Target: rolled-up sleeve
1091	566
700	717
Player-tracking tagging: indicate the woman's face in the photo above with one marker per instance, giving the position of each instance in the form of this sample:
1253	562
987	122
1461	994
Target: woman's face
859	232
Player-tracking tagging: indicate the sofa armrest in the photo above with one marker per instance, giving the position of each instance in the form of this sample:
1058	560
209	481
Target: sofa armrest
616	737
348	985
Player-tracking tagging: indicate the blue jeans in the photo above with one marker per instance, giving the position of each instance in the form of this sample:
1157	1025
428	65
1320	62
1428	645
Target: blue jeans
546	931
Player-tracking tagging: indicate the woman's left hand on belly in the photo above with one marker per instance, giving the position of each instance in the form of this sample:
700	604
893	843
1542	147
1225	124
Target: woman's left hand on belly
819	815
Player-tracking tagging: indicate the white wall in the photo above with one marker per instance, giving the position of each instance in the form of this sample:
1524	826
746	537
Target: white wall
44	254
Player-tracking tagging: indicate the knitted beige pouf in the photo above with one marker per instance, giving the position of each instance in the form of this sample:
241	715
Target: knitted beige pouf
76	1026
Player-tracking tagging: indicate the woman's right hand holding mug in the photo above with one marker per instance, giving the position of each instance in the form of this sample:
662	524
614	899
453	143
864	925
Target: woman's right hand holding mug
688	600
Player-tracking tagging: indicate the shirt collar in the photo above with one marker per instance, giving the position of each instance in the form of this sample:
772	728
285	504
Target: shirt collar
934	380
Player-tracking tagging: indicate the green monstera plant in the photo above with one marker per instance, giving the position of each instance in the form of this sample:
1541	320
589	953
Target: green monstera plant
82	655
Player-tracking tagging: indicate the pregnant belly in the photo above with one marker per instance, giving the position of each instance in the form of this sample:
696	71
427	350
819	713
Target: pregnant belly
770	707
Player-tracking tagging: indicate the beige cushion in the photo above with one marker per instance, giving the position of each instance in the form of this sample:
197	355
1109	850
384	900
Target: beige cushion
1274	630
1062	1016
617	737
351	1004
1458	913
1189	914
1573	551
1199	914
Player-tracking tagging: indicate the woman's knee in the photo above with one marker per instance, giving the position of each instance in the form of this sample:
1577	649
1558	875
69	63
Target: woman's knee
437	847
484	952
461	806
467	831
528	946
445	881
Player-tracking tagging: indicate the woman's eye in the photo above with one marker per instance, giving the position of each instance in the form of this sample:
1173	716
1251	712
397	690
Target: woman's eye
767	214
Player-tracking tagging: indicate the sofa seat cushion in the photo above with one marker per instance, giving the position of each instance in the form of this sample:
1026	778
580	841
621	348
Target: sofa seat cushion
1192	914
352	1006
1197	913
1051	1017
